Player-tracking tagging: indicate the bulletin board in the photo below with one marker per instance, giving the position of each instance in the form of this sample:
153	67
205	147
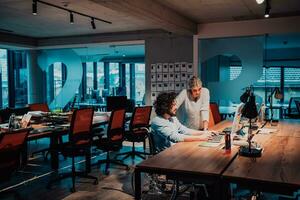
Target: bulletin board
169	77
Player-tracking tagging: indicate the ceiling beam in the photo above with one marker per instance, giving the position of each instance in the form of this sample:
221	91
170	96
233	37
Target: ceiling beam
153	12
11	41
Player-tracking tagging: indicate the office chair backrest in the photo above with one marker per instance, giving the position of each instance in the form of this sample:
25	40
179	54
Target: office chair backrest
215	112
140	117
81	124
39	107
4	115
115	131
11	145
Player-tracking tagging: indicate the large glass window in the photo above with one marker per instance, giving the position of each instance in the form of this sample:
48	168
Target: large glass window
3	82
89	78
20	78
139	82
291	83
127	79
113	77
57	77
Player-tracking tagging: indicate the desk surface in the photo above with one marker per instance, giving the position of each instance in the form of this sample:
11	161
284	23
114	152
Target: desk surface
280	161
190	158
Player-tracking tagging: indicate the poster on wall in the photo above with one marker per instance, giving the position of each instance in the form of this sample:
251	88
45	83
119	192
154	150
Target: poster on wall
169	77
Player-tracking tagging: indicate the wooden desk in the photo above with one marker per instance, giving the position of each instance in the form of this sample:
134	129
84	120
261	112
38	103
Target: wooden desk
277	170
187	160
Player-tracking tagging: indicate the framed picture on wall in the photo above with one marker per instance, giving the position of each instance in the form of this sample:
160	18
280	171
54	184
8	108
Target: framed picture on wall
165	77
177	67
171	67
159	67
183	67
159	77
177	77
153	87
190	68
153	77
165	67
171	77
153	68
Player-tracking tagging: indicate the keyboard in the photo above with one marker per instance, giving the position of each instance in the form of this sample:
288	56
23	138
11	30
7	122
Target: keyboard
216	138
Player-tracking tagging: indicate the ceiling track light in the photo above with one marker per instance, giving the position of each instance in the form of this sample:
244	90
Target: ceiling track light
34	7
71	18
93	23
72	12
268	9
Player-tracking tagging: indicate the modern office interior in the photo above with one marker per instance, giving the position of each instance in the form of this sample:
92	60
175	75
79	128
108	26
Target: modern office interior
60	60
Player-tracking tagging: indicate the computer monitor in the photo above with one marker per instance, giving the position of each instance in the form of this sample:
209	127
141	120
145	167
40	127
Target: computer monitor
116	102
237	118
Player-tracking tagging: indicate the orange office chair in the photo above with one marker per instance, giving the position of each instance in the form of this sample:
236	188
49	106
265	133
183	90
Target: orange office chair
39	107
114	139
12	149
44	108
79	144
138	130
215	112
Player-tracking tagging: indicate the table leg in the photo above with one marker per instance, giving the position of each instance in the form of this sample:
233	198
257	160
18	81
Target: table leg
88	162
137	183
54	151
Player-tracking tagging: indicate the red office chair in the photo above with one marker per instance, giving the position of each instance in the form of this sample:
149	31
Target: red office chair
215	112
39	107
138	130
12	147
114	139
80	141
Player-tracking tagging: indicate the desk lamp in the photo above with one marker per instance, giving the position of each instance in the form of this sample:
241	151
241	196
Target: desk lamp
249	111
277	95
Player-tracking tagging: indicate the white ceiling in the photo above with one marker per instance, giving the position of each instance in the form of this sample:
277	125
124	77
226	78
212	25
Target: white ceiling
16	16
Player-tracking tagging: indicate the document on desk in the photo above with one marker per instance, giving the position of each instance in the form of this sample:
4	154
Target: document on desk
209	144
267	130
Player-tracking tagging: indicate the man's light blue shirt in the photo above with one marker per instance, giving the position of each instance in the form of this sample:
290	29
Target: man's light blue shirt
168	131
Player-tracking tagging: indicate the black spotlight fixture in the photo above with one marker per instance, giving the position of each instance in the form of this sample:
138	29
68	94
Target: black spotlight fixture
93	23
267	10
34	7
71	18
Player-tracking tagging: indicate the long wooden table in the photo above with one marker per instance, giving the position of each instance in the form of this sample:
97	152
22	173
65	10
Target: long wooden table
276	171
188	160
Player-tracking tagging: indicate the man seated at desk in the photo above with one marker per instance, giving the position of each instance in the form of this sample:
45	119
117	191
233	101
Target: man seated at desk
166	128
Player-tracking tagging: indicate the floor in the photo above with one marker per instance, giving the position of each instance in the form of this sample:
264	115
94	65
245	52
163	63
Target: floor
30	183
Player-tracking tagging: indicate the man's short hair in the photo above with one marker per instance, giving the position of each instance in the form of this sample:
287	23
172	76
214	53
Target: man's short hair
194	82
164	102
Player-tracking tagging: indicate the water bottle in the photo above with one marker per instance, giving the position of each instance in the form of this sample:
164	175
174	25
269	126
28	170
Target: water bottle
227	141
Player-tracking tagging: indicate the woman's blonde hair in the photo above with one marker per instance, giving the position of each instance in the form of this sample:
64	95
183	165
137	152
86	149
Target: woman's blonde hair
194	82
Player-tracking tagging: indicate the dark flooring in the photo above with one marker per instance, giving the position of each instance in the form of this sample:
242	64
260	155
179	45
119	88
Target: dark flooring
30	182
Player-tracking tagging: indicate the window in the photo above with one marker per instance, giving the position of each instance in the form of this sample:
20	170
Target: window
113	77
100	76
57	77
291	83
127	80
89	78
20	78
139	82
234	72
4	81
